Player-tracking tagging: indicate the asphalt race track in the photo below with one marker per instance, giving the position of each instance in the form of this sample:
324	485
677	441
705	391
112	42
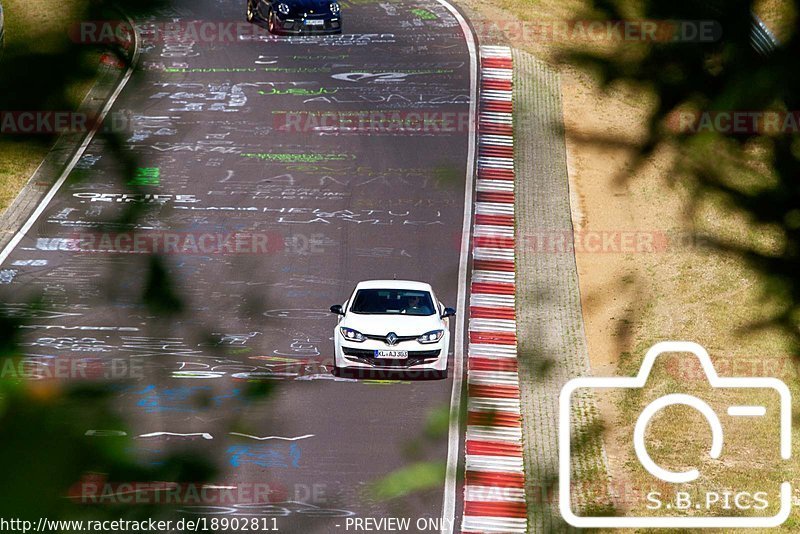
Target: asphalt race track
225	134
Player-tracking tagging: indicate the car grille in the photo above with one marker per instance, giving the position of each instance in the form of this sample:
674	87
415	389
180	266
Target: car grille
298	26
400	339
415	357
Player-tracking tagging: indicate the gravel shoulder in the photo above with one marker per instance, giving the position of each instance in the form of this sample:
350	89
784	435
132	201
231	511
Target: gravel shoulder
551	332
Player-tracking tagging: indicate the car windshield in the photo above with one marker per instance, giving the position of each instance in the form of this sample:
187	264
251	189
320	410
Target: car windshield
393	302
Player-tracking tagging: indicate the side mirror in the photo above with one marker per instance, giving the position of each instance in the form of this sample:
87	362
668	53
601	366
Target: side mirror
448	312
337	309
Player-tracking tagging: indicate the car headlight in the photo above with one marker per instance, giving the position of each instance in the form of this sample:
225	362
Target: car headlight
283	9
352	335
431	337
335	8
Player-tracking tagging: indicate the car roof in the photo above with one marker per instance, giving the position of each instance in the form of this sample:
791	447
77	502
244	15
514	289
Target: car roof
394	284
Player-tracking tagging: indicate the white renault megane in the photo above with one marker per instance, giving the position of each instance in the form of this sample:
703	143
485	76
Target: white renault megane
392	325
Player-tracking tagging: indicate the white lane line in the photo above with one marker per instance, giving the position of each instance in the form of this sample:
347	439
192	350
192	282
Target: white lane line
497	74
493	378
77	156
498	163
500	96
494	433
496	51
486	300
496	352
497	120
502	140
493	494
494	254
454	437
498	116
204	435
489	404
494	464
492	230
493	276
492	325
265	438
494	208
495	185
474	523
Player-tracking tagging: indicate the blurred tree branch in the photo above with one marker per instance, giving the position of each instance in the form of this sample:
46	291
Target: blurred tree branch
753	171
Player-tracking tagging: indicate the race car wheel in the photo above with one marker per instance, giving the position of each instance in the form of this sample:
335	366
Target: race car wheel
250	13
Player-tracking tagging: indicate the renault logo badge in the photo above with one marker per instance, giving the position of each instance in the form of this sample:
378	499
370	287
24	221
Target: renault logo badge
391	338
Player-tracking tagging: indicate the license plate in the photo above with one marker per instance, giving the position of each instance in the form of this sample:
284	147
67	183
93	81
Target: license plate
313	22
392	354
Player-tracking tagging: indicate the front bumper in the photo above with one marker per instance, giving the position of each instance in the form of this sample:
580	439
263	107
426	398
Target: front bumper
351	355
415	359
298	26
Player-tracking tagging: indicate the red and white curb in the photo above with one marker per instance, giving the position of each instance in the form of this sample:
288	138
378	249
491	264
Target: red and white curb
494	494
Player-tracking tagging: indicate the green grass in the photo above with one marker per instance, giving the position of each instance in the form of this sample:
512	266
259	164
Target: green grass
36	28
